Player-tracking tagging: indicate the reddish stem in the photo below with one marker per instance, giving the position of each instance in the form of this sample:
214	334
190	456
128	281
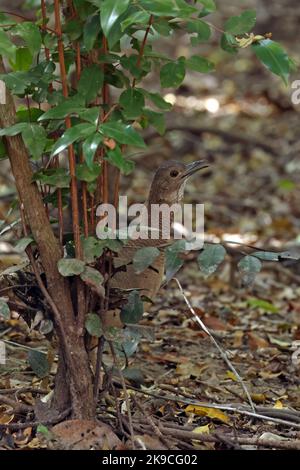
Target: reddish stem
71	153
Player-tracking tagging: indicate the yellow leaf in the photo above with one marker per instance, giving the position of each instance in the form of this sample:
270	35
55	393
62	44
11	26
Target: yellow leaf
258	397
278	405
213	413
202	429
231	376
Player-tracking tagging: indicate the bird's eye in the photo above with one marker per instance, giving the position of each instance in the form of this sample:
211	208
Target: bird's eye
174	173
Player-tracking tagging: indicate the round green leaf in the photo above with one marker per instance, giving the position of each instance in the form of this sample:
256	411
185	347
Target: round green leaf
90	82
172	74
116	158
241	24
144	257
200	64
93	325
133	310
35	139
249	266
70	266
132	102
210	258
39	363
94	279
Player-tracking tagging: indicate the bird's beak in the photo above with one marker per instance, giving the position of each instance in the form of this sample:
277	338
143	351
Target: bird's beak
191	168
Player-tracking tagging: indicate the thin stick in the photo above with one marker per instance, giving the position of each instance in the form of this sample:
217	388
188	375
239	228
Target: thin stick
222	352
231	408
98	367
125	393
71	153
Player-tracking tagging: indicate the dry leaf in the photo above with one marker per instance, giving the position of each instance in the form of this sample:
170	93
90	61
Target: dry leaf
213	413
202	429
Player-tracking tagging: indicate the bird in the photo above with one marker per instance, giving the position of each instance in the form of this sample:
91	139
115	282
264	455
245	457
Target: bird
167	187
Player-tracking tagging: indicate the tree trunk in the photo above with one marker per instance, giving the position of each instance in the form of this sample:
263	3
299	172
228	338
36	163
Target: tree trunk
74	368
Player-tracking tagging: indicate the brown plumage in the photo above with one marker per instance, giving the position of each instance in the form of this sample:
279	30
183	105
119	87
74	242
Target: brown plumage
167	187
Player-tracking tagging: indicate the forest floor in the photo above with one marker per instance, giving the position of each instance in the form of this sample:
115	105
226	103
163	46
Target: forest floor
182	393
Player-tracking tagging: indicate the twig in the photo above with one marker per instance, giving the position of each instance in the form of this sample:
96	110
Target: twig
287	444
231	408
222	352
18	408
125	393
98	366
155	428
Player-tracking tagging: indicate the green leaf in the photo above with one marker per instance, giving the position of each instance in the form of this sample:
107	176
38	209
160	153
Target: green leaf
91	30
116	158
39	363
73	29
241	24
90	146
23	243
23	59
90	114
173	263
70	266
31	35
263	304
92	249
229	43
157	120
133	311
249	266
72	105
200	27
157	100
209	5
144	257
175	8
122	133
58	177
88	173
35	139
172	74
78	132
90	82
138	17
274	57
4	309
93	279
200	64
7	48
13	130
110	13
17	82
93	325
28	115
210	258
132	102
266	255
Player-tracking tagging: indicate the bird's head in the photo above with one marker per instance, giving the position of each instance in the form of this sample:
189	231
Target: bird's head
169	181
